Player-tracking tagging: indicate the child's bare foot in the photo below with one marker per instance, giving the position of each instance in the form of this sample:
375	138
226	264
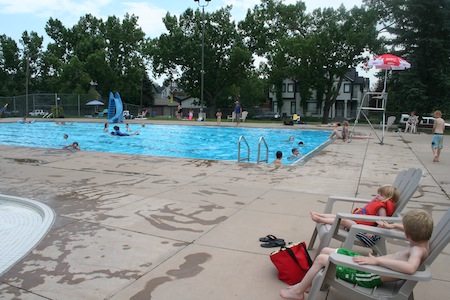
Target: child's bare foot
292	286
314	216
289	293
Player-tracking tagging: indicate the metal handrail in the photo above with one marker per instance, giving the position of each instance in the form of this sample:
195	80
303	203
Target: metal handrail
242	138
261	139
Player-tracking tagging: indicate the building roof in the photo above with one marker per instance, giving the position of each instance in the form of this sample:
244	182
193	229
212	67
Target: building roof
165	102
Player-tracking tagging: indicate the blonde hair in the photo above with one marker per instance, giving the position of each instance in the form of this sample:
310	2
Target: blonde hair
390	192
418	225
345	123
438	113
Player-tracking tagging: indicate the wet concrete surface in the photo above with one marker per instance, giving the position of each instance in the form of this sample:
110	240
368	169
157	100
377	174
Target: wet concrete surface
137	227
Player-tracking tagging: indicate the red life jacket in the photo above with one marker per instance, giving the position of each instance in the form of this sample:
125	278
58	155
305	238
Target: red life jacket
371	209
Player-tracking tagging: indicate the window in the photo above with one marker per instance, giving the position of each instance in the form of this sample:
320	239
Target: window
283	88
346	88
290	87
293	107
312	107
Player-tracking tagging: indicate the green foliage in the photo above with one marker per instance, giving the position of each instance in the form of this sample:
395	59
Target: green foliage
226	60
420	33
9	62
60	113
107	52
312	49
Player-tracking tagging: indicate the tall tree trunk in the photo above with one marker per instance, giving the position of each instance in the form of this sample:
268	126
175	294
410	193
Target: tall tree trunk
330	100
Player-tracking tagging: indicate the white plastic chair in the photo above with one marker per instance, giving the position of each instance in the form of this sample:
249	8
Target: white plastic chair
401	289
406	183
244	115
389	123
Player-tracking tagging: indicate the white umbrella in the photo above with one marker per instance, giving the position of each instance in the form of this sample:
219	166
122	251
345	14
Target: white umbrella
95	102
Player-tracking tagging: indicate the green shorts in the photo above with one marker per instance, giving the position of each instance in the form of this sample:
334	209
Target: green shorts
364	279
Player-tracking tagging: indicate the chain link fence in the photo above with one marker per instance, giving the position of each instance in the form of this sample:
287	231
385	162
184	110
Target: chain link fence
60	105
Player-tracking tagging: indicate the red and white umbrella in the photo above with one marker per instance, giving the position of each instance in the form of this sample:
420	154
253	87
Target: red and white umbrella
389	62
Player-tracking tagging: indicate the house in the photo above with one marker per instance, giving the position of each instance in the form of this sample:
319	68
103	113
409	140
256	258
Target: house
350	95
167	99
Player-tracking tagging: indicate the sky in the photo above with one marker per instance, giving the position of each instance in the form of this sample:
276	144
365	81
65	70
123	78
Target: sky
16	16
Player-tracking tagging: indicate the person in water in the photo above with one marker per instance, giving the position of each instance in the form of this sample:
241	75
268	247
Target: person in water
72	147
119	133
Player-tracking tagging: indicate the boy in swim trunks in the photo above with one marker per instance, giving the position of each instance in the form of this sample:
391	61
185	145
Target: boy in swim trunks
418	227
438	138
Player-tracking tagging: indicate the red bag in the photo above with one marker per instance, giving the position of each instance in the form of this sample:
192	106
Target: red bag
292	262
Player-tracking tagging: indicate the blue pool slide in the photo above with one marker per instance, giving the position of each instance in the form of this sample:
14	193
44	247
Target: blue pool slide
115	108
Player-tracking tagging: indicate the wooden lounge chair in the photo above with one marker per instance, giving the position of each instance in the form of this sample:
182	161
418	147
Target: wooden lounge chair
401	289
406	183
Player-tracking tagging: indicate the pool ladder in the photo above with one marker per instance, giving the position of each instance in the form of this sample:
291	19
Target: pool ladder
259	160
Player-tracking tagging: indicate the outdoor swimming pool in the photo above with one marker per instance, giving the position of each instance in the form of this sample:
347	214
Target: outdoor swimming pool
202	142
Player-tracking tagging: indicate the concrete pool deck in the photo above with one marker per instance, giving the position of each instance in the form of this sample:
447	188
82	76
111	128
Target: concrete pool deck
137	227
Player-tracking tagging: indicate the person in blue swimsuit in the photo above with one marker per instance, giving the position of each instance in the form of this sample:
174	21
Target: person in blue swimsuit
120	133
237	111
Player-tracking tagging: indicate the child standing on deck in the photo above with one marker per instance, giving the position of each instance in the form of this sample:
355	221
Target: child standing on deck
219	116
438	138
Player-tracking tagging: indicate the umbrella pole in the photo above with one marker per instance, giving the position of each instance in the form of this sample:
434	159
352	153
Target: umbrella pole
384	100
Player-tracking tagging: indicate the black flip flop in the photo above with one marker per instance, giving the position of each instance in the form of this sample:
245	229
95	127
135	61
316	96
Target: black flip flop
269	238
274	243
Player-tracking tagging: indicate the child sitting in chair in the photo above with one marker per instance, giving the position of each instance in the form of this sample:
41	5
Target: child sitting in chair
418	227
382	205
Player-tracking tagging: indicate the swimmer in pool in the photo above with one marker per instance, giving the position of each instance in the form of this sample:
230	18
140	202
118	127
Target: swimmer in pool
72	147
295	154
119	133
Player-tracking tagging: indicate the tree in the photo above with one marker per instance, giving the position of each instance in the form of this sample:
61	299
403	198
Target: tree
313	49
178	51
9	62
419	31
266	27
109	53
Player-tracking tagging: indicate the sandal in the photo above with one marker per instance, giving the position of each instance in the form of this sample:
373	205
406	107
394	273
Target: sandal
274	243
269	238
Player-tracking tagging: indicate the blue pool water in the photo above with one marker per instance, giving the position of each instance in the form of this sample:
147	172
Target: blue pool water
203	142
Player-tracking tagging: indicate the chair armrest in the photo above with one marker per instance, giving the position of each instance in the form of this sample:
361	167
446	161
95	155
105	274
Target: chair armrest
337	221
387	233
347	261
332	199
368	218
